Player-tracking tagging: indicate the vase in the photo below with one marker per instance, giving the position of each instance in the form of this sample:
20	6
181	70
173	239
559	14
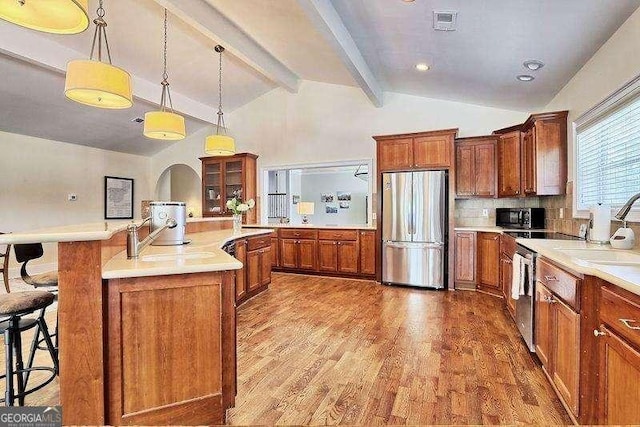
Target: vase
237	223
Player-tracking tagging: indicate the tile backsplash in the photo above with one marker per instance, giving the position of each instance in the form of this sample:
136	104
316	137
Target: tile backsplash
468	213
568	224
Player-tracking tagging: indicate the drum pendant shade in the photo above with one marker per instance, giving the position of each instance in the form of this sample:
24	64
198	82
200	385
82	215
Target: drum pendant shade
49	16
98	84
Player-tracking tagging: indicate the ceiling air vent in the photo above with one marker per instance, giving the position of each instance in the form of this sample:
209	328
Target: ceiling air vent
444	20
137	120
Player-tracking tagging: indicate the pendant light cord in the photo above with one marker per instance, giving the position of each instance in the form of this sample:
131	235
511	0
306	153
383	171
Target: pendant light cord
100	32
166	93
220	125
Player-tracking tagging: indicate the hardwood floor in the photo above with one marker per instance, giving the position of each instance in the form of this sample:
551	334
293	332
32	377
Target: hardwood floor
318	350
315	350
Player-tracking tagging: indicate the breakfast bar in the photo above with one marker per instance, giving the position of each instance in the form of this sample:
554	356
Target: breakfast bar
148	340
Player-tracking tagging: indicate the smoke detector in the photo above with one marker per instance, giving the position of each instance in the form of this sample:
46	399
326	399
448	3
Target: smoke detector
444	20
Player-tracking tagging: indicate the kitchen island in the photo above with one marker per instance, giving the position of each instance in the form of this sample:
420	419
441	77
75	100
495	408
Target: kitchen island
146	341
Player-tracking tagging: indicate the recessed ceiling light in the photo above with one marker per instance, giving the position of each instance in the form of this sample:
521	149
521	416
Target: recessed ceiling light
533	64
422	67
525	78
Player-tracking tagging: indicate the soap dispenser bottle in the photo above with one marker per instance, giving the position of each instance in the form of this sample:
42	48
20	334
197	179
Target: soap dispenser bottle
623	238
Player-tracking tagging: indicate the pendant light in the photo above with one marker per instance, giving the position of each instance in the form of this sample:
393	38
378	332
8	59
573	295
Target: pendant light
50	16
164	124
96	83
220	144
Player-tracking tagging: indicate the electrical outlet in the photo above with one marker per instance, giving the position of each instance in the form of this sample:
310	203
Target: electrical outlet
72	197
485	213
561	213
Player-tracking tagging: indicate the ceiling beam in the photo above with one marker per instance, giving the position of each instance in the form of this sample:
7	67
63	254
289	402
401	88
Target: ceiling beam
328	21
32	47
214	25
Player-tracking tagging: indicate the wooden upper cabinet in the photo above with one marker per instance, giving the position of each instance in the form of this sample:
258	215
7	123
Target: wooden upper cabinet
396	154
529	162
509	166
549	154
465	171
432	151
226	177
476	166
368	252
424	150
532	157
465	257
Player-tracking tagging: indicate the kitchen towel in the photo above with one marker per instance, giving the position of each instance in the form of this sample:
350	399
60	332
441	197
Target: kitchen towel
517	278
600	220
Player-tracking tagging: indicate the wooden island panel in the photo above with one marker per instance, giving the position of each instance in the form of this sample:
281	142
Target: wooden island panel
164	345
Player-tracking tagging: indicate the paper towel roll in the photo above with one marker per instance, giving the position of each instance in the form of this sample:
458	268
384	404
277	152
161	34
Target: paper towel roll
600	223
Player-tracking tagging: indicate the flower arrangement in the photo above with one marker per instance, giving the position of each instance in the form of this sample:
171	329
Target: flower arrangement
238	207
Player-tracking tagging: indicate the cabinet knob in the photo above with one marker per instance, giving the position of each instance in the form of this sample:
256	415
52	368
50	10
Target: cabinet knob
598	333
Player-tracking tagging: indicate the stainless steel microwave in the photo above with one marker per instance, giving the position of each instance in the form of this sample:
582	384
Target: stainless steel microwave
520	217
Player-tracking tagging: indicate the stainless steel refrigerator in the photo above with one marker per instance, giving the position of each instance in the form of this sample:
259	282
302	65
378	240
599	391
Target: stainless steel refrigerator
414	219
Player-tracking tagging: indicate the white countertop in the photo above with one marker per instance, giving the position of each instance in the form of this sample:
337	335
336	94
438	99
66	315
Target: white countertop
496	229
625	276
332	227
79	233
203	254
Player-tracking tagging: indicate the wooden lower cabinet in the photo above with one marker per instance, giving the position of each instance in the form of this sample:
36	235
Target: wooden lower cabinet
241	276
619	374
328	251
557	341
254	277
566	354
465	258
489	262
275	253
506	276
368	253
327	256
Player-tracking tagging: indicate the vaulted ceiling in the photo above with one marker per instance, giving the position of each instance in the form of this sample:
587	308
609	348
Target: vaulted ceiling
371	44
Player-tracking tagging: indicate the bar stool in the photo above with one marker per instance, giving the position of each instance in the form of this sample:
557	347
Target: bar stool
13	308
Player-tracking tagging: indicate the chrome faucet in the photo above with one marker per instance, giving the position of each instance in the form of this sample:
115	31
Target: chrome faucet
134	245
624	211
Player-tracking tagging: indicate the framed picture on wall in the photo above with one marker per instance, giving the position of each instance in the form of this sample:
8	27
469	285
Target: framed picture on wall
118	198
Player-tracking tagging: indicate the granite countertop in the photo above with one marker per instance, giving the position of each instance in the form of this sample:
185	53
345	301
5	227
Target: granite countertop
79	233
331	227
624	275
203	254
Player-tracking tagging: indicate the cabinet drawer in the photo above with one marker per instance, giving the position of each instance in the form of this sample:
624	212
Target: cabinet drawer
258	242
297	233
337	234
560	282
621	314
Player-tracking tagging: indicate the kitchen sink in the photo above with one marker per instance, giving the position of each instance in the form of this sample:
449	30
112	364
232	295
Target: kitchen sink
177	257
603	256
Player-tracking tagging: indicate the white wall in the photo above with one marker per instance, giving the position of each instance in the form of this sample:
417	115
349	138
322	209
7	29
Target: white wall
315	184
613	65
37	174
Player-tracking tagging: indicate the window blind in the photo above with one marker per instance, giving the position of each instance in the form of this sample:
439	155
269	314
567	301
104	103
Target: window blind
608	157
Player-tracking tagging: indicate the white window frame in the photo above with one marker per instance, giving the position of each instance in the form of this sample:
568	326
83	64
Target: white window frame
617	99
